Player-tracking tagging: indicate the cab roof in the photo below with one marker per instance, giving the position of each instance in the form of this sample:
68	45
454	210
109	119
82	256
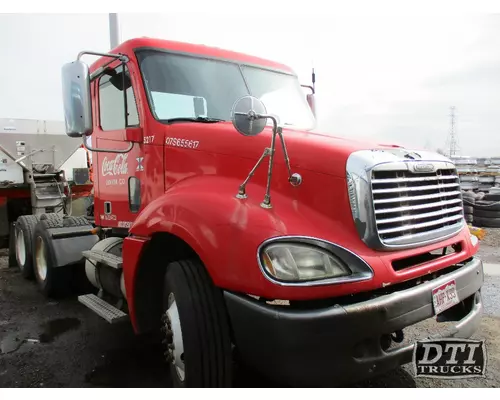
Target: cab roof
132	45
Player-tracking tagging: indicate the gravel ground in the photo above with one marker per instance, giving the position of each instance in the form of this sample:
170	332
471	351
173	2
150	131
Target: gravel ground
63	344
490	246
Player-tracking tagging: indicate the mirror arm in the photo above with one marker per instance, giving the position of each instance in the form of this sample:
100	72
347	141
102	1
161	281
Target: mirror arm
295	179
99	71
285	153
242	193
121	57
267	197
130	146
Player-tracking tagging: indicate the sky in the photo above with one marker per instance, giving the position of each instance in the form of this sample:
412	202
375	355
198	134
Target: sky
389	78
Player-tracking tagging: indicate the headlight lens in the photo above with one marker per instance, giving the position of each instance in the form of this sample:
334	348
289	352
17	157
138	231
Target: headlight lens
298	262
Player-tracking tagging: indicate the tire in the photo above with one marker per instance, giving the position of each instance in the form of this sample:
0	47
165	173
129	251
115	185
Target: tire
469	201
492	197
468	209
52	281
23	241
12	245
487	214
202	319
487	222
75	221
469	218
487	206
52	220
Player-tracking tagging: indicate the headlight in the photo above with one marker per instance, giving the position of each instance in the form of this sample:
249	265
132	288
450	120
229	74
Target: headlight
301	262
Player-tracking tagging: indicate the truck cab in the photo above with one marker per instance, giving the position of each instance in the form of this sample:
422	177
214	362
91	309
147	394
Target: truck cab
226	221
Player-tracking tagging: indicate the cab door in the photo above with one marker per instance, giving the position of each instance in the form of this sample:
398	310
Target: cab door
117	175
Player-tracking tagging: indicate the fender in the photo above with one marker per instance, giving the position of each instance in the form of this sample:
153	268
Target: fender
204	212
226	232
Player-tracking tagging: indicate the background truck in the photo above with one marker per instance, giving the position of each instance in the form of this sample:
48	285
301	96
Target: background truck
226	222
41	171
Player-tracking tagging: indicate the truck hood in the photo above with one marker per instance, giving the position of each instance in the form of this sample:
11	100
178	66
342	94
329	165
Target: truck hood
322	152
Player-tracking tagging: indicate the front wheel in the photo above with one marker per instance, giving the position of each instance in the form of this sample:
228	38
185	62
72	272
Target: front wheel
195	327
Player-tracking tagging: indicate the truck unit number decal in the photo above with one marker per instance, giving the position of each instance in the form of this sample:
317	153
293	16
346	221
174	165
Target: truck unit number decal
149	139
176	142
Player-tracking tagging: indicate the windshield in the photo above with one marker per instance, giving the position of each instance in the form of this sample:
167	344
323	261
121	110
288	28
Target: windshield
189	87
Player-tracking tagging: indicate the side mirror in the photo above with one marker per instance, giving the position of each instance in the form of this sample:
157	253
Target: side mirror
246	116
311	100
76	99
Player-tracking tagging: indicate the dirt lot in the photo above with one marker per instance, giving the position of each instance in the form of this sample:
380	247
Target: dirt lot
63	344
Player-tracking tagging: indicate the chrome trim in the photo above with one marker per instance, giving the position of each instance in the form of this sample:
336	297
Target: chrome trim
421	225
360	268
416	216
359	168
414	188
426	238
427	196
418	179
417	207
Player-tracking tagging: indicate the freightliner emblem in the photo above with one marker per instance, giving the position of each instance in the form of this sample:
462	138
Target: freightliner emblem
423	168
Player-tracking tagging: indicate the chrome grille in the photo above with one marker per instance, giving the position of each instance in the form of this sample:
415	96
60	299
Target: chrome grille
415	207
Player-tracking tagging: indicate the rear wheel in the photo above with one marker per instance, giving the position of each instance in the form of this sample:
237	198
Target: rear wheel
53	281
195	327
25	226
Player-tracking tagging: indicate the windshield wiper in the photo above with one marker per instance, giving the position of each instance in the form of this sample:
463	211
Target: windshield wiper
192	119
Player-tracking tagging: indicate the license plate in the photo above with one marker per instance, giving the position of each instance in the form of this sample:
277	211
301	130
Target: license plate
445	296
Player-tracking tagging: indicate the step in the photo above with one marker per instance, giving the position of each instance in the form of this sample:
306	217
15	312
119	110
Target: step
40	196
102	308
46	184
105	258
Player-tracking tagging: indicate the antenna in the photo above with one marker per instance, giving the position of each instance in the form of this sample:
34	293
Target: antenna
452	138
313	77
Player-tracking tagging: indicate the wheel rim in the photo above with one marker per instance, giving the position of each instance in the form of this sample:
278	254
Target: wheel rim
173	331
41	261
20	247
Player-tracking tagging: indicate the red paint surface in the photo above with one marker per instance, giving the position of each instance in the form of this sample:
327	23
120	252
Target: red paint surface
191	193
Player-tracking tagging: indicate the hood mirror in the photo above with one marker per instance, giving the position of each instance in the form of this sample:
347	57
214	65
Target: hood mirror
249	117
246	116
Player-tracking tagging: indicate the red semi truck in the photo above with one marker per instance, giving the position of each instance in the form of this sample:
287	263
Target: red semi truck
224	220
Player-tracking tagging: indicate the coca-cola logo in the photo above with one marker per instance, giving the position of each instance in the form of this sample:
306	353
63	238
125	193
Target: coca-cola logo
116	166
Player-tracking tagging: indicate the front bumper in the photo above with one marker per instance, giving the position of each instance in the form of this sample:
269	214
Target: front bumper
340	344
